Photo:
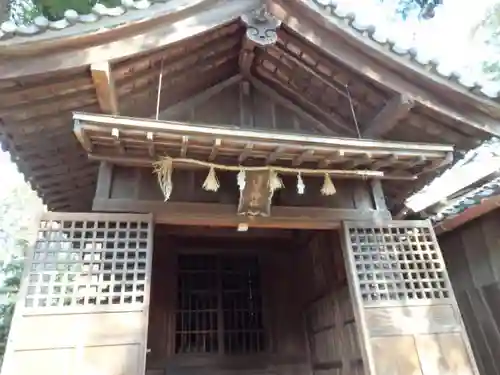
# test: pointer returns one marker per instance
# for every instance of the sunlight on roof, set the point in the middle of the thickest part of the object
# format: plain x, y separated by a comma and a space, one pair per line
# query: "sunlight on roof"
446, 38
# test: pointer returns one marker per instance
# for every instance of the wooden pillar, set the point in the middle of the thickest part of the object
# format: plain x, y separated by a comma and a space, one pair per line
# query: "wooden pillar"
407, 315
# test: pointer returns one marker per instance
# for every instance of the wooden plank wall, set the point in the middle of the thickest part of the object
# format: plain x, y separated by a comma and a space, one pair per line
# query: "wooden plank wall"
308, 313
141, 184
328, 311
472, 255
242, 105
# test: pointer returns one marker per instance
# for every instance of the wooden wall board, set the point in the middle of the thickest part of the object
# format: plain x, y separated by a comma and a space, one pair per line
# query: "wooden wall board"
472, 255
403, 299
84, 299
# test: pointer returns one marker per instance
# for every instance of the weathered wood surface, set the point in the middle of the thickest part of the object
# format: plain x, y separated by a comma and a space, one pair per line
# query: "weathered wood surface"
126, 189
84, 298
129, 140
472, 254
403, 300
296, 74
328, 314
282, 305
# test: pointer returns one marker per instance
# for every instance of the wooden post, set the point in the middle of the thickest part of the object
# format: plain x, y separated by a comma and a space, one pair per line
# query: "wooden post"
407, 315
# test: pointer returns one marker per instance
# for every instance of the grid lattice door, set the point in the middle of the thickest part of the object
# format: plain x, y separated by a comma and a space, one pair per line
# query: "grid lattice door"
83, 307
407, 315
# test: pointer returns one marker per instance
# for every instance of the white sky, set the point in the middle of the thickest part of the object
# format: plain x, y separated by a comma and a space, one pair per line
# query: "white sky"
447, 37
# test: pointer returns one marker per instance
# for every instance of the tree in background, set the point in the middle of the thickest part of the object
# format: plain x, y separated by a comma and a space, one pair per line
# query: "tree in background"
12, 271
488, 32
19, 206
24, 11
424, 8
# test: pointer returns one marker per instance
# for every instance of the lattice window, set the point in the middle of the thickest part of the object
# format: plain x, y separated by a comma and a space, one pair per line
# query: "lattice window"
85, 262
398, 263
219, 306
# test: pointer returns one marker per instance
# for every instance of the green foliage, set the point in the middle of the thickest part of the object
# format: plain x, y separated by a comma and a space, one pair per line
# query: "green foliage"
54, 9
424, 8
13, 272
488, 32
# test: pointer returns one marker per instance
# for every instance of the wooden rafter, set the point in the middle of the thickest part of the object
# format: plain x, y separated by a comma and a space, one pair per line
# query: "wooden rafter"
396, 109
194, 21
278, 72
200, 98
236, 146
280, 99
247, 56
377, 72
105, 87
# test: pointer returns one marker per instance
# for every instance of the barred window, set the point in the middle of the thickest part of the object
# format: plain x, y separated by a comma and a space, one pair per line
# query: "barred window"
219, 305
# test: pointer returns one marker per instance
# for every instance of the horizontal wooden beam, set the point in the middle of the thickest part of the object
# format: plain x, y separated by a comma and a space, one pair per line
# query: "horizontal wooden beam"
288, 88
199, 98
186, 18
224, 215
100, 122
280, 99
105, 87
315, 28
396, 109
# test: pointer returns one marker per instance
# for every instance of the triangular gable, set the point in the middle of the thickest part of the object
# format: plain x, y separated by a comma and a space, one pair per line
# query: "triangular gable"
245, 104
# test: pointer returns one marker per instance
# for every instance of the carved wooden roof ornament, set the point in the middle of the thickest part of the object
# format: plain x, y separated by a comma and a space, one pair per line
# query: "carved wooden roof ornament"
261, 27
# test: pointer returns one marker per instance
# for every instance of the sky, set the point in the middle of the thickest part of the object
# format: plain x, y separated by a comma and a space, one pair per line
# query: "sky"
447, 37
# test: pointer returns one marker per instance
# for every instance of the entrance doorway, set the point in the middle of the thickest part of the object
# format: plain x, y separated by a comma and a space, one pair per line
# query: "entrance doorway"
264, 301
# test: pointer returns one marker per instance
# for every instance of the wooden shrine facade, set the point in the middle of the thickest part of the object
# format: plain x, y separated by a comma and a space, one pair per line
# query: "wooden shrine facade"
222, 178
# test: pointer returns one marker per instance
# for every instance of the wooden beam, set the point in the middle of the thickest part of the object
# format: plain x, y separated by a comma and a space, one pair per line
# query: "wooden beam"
199, 98
395, 109
330, 118
104, 122
104, 181
194, 17
312, 25
262, 87
320, 76
105, 87
245, 153
247, 56
215, 149
302, 157
224, 215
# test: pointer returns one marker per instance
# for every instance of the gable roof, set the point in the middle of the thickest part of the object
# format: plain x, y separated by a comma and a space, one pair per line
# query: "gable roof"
316, 65
105, 18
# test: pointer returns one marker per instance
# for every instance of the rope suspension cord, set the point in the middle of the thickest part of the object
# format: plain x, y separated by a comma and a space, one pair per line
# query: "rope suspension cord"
306, 171
158, 96
353, 112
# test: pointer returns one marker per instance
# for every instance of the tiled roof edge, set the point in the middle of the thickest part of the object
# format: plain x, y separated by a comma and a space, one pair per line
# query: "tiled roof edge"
411, 54
468, 200
9, 29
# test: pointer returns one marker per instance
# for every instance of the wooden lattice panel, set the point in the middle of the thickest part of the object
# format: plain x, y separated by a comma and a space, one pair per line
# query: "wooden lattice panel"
85, 292
88, 262
403, 300
398, 263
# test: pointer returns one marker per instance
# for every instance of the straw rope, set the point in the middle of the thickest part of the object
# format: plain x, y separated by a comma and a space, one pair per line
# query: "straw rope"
160, 164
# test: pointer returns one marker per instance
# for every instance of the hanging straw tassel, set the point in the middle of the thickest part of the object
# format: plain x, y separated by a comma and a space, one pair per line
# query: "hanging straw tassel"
241, 179
328, 186
163, 170
211, 182
301, 187
275, 181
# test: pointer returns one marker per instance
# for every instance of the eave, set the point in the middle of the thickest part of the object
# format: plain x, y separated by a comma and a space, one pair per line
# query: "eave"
202, 45
132, 141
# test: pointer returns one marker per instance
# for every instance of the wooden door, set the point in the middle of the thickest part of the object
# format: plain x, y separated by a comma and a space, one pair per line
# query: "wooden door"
83, 306
408, 318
